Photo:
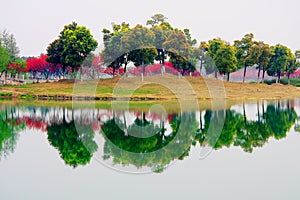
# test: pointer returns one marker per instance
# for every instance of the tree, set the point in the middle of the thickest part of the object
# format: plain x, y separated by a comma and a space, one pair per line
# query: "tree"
280, 60
206, 60
40, 66
162, 32
297, 55
220, 56
4, 59
72, 47
243, 52
16, 67
114, 54
8, 42
156, 19
190, 40
178, 49
292, 65
225, 60
139, 42
260, 54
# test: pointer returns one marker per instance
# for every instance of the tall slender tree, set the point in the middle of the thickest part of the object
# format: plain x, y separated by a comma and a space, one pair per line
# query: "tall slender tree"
8, 42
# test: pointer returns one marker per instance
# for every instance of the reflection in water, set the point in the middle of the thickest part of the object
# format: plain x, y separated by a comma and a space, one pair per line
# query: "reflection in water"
9, 128
145, 139
155, 151
70, 144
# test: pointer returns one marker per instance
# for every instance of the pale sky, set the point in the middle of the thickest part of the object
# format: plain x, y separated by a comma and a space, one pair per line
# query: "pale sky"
36, 23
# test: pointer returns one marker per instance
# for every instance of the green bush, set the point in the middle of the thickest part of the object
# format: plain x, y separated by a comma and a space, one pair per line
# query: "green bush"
284, 81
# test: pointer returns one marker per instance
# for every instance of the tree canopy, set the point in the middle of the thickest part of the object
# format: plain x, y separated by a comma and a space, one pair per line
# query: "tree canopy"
72, 46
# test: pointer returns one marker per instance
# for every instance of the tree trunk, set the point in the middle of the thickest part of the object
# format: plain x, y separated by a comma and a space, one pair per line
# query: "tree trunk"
201, 65
263, 76
244, 111
216, 74
162, 62
258, 111
289, 81
142, 71
125, 67
258, 76
201, 123
278, 74
228, 76
245, 70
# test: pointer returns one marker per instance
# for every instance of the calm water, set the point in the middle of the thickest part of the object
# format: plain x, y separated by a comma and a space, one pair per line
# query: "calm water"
249, 151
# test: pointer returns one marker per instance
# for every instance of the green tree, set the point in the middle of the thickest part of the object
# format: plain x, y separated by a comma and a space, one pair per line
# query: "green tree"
213, 47
190, 40
206, 60
162, 32
260, 54
113, 53
223, 56
156, 20
8, 42
16, 67
140, 43
293, 65
243, 52
225, 60
178, 49
297, 55
280, 61
72, 46
4, 59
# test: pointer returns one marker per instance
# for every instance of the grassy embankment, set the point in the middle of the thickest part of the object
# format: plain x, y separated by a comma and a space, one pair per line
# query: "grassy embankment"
154, 88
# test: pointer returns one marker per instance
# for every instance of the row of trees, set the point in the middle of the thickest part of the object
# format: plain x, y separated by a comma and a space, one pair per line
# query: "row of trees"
143, 45
157, 42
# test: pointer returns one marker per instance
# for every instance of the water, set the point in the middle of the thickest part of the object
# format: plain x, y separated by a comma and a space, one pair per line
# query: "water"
247, 151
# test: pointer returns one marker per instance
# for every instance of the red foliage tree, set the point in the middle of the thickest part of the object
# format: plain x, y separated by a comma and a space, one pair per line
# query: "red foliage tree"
39, 65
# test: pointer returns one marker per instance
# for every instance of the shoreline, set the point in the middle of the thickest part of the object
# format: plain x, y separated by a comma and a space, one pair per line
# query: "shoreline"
156, 88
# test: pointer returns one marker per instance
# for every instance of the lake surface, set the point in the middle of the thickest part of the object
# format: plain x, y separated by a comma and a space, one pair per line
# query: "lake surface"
248, 151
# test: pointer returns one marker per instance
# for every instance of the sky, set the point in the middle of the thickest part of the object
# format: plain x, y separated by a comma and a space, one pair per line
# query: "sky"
36, 23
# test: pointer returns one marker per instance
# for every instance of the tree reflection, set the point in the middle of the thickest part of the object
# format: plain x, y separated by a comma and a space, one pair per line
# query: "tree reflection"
127, 148
148, 141
9, 128
247, 134
75, 148
280, 120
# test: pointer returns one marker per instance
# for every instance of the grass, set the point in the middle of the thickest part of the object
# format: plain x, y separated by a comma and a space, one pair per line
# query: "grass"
156, 87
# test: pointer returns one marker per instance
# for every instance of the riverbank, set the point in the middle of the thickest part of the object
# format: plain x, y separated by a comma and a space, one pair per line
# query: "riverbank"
152, 88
